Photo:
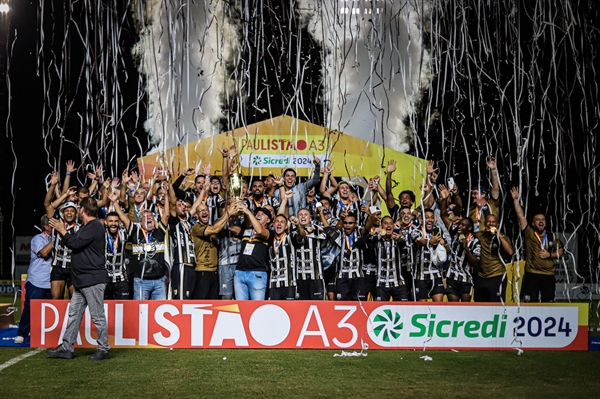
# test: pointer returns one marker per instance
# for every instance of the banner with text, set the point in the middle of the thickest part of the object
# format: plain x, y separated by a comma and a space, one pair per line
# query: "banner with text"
320, 325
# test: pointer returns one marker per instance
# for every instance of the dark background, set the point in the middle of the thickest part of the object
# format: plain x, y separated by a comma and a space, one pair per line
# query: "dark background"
553, 150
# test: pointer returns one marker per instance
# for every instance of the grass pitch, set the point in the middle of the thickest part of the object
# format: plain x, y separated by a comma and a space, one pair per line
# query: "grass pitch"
196, 373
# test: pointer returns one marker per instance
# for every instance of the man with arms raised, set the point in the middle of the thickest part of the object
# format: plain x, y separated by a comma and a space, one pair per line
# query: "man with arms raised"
89, 279
298, 199
148, 255
491, 282
250, 278
207, 257
541, 248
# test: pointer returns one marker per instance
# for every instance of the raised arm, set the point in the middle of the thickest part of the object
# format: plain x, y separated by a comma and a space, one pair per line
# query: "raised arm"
285, 195
258, 229
444, 202
325, 191
50, 193
495, 191
57, 202
70, 169
113, 197
514, 192
389, 195
125, 179
316, 175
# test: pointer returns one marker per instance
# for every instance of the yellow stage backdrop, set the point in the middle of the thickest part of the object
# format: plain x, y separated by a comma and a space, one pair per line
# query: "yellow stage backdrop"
284, 142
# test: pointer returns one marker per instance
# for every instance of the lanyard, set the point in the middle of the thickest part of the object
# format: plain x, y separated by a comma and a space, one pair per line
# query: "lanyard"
542, 242
349, 241
184, 223
147, 235
138, 210
280, 241
113, 245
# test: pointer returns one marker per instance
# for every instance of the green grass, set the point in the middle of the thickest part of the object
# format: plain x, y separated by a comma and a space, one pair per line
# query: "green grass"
193, 373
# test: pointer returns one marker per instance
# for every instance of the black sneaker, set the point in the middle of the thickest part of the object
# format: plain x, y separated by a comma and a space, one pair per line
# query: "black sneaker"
61, 352
99, 355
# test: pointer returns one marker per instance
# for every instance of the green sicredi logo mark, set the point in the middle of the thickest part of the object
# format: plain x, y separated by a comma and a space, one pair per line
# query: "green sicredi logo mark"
387, 325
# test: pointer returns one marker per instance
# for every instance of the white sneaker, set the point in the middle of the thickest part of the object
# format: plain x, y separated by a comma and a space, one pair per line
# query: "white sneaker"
19, 340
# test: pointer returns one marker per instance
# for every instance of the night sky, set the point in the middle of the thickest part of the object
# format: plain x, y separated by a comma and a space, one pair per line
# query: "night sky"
552, 146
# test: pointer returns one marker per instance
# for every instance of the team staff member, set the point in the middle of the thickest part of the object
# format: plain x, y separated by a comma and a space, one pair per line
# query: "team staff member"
147, 252
541, 247
485, 202
89, 279
250, 278
207, 256
37, 285
491, 284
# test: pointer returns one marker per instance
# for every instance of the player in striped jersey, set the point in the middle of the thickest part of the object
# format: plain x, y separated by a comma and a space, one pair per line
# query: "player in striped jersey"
183, 277
429, 253
308, 239
116, 236
406, 229
61, 254
388, 243
464, 250
282, 263
349, 283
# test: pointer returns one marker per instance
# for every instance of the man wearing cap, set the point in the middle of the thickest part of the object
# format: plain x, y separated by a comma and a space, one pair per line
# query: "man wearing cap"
298, 200
37, 285
485, 202
61, 254
89, 279
250, 278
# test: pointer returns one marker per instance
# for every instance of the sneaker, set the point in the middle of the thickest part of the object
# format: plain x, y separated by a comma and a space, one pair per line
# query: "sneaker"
61, 352
100, 355
19, 340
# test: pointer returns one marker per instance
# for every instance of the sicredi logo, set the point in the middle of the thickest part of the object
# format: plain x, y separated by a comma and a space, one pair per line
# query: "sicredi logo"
385, 326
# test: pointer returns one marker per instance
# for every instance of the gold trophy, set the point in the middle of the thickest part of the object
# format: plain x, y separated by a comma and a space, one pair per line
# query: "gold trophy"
235, 185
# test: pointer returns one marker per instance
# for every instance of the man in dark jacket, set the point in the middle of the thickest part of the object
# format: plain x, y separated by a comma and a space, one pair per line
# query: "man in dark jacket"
89, 277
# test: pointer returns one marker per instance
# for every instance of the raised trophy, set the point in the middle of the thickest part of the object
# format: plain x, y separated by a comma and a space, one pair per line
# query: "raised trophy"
236, 185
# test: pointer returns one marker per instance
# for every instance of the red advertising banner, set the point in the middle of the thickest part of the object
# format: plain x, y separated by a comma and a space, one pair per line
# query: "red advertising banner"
321, 325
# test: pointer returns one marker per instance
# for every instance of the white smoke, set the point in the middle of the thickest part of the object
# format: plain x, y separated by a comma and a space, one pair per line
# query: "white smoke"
183, 48
374, 65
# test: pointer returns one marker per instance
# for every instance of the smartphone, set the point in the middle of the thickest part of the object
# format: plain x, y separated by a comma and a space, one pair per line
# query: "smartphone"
365, 202
397, 230
451, 183
436, 230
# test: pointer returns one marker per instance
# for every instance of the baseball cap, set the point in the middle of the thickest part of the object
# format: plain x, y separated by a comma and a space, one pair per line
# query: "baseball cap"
265, 211
69, 204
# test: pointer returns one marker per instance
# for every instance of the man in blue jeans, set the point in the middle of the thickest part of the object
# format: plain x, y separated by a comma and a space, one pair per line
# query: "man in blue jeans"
147, 247
38, 276
250, 279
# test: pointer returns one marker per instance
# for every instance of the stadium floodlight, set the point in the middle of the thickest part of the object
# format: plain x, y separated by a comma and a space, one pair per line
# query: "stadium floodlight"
4, 8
